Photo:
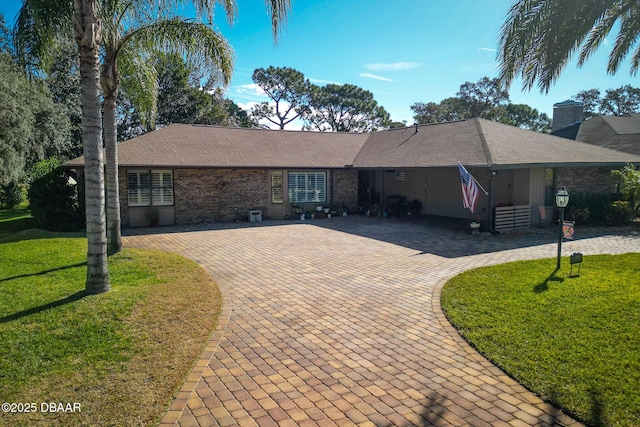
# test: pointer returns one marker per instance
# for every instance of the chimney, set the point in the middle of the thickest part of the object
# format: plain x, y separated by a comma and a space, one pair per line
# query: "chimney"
566, 113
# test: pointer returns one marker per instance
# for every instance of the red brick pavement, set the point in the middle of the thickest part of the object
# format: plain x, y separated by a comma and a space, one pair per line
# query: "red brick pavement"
326, 328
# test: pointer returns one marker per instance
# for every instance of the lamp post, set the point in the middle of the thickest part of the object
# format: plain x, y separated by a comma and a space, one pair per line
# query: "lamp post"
562, 200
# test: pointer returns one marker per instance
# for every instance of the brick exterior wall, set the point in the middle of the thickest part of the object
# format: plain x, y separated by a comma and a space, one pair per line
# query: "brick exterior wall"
345, 188
596, 180
213, 194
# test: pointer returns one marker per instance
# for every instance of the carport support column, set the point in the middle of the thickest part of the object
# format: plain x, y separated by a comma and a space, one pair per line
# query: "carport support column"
382, 177
490, 224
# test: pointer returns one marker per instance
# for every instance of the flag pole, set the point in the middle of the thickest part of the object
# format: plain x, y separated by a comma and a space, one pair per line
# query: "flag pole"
486, 193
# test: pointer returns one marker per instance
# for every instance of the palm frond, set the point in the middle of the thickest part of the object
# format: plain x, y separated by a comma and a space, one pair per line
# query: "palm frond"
279, 11
196, 42
139, 81
38, 25
539, 37
627, 37
203, 8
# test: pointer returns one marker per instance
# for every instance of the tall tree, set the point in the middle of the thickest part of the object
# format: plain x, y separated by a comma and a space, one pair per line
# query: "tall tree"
615, 102
32, 126
63, 81
523, 116
448, 110
40, 21
621, 101
39, 24
345, 108
132, 34
590, 102
483, 96
88, 34
179, 101
539, 37
5, 36
288, 89
485, 99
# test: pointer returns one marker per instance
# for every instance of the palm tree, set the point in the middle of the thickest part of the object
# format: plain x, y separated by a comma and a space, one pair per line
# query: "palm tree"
40, 22
131, 35
132, 32
539, 37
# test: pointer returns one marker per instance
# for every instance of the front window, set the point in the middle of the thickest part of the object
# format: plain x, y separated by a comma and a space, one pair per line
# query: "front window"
307, 187
277, 187
162, 188
150, 187
138, 185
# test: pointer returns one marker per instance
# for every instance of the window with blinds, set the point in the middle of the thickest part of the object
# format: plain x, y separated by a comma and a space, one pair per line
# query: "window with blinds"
146, 188
277, 187
138, 184
307, 187
162, 188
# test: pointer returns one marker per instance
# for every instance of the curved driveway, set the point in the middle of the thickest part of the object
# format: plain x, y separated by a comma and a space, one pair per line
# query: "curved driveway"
338, 322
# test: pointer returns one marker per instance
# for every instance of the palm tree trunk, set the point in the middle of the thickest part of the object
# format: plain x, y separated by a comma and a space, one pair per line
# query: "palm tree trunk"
113, 191
88, 32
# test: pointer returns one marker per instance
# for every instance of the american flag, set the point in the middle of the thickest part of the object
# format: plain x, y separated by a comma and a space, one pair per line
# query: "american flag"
469, 189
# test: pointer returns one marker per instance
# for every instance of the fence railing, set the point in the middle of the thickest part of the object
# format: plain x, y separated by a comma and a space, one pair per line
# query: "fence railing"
512, 217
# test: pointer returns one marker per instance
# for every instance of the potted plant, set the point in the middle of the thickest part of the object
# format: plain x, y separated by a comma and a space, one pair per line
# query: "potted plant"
474, 225
287, 211
415, 207
154, 216
297, 210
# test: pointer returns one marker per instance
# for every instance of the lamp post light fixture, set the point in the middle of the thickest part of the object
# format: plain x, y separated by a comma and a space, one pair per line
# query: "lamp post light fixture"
562, 200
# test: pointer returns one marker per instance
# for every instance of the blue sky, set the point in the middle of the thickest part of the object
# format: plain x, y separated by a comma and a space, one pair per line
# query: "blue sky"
404, 51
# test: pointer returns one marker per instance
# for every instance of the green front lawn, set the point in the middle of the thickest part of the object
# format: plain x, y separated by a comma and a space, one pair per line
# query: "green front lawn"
573, 341
14, 220
121, 355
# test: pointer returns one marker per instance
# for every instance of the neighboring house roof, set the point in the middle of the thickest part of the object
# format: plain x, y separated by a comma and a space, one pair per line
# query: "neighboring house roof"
474, 142
620, 133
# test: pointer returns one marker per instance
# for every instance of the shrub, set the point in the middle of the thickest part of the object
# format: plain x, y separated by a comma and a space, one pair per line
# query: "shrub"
621, 213
630, 185
586, 208
10, 195
53, 201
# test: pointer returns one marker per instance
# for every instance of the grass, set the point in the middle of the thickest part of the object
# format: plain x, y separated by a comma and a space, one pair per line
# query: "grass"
121, 355
13, 220
572, 340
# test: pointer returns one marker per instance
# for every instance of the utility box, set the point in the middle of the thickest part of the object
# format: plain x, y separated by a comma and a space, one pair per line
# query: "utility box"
255, 215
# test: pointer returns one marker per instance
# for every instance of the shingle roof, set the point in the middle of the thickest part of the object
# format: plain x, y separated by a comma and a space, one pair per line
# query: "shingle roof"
478, 142
620, 133
474, 142
512, 146
183, 145
442, 144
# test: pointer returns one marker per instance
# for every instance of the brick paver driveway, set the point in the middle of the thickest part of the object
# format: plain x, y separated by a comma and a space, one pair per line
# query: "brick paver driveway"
338, 322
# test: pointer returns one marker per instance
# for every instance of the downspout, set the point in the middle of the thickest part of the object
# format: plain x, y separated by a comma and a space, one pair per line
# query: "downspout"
489, 159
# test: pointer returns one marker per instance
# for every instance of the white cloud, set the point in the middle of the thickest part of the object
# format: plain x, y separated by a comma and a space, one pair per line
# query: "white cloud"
373, 76
486, 49
322, 82
395, 66
248, 91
